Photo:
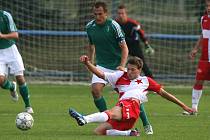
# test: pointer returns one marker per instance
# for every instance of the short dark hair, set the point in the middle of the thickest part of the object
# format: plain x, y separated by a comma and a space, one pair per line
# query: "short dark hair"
121, 6
101, 4
135, 61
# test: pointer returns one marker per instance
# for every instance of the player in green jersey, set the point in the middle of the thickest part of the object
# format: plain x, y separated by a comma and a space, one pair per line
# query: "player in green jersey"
108, 46
11, 59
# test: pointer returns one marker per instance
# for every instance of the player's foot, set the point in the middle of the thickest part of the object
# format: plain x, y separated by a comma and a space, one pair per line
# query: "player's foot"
29, 110
13, 93
77, 116
190, 114
148, 129
135, 132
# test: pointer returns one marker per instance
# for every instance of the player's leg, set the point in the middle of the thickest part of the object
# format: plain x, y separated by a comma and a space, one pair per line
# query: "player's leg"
114, 113
17, 68
146, 124
96, 90
197, 93
106, 129
6, 84
24, 92
202, 74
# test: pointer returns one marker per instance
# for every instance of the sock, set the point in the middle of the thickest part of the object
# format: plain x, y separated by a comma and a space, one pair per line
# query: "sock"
24, 92
96, 117
100, 104
114, 132
143, 116
8, 85
196, 95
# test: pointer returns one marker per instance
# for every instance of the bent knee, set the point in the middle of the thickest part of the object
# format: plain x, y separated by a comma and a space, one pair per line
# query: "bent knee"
99, 132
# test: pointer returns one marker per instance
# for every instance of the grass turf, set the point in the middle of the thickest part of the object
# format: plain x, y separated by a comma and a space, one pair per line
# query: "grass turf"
52, 122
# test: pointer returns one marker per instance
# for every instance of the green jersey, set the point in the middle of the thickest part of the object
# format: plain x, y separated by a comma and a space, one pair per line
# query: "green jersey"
106, 39
7, 25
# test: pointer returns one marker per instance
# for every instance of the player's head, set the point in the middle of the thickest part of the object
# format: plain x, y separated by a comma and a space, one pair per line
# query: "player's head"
100, 12
134, 66
122, 13
208, 6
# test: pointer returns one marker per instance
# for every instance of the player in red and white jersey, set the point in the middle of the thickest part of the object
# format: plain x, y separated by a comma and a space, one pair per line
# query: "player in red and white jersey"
203, 68
132, 89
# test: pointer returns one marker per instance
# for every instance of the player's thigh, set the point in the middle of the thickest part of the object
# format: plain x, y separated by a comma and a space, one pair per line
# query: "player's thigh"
115, 113
101, 129
3, 69
203, 71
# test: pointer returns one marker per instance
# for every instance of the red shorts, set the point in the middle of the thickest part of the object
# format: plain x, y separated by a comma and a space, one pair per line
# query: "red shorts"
130, 113
203, 70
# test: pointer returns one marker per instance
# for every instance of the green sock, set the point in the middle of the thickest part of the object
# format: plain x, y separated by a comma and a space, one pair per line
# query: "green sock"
8, 85
143, 116
24, 92
100, 104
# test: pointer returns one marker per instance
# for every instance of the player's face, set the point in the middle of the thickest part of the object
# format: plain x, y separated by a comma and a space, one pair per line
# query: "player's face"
100, 15
122, 15
132, 71
208, 7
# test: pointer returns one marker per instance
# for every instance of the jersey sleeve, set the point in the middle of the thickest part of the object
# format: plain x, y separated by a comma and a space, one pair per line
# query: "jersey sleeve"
138, 28
87, 28
119, 34
112, 77
10, 22
153, 85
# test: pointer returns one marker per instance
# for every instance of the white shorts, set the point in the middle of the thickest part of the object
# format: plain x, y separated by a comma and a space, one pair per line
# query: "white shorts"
96, 79
11, 58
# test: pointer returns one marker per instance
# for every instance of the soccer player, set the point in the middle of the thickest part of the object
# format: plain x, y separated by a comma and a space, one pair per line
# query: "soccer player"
133, 33
11, 58
132, 89
106, 44
203, 69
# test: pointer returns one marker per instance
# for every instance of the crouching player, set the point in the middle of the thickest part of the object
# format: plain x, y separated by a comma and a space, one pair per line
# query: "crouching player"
132, 89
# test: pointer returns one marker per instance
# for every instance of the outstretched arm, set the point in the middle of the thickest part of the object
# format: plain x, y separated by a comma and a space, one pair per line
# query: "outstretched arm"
173, 99
85, 60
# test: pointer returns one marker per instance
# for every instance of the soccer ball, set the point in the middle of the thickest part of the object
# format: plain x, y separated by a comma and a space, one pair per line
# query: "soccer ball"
24, 121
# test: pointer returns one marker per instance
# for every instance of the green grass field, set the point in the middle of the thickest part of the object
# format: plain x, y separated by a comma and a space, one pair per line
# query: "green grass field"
52, 122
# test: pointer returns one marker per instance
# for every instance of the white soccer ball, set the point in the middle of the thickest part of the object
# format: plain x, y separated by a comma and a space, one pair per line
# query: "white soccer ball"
24, 121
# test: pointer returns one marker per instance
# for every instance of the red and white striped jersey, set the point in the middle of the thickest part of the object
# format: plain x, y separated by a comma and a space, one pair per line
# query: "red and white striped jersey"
136, 88
205, 26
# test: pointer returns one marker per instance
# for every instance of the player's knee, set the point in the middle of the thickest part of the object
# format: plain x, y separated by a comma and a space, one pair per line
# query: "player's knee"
198, 85
96, 94
2, 79
99, 132
20, 79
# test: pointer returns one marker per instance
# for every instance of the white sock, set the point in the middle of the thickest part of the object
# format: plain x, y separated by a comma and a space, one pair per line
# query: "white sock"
196, 95
114, 132
96, 117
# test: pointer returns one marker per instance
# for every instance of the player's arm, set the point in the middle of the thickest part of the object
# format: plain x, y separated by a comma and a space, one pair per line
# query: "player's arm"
12, 35
91, 53
85, 60
196, 48
11, 27
173, 99
140, 31
124, 55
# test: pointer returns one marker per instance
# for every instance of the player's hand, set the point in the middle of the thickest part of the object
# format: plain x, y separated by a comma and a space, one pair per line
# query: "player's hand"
84, 59
149, 50
193, 53
121, 68
188, 109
